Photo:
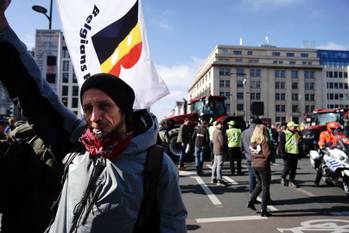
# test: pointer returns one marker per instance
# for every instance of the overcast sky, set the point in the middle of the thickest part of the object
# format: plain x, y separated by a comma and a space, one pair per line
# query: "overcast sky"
182, 33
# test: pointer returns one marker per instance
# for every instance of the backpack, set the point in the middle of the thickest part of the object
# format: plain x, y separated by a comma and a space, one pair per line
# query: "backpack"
149, 216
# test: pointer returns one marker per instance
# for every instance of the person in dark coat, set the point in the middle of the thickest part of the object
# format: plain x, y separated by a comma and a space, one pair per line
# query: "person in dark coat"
201, 140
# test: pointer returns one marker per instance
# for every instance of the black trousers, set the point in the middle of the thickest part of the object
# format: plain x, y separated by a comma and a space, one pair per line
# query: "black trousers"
235, 155
290, 166
263, 176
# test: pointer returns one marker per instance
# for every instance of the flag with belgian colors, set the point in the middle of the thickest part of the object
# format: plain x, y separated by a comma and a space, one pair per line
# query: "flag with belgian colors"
109, 36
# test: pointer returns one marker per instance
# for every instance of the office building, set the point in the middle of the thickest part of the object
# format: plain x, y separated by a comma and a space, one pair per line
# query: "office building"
287, 81
52, 56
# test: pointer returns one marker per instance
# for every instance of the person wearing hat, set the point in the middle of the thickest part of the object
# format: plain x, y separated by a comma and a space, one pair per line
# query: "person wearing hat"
234, 150
289, 151
104, 154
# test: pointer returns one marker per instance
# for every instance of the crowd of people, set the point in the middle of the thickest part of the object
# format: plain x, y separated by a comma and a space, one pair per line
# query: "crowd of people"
260, 144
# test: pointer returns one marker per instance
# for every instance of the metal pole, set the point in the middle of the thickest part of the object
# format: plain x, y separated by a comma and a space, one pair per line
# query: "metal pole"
50, 17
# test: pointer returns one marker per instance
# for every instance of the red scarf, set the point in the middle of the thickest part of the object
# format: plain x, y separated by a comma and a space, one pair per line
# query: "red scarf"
107, 148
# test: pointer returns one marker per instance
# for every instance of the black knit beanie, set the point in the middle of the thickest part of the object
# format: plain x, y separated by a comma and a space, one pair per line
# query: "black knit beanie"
118, 90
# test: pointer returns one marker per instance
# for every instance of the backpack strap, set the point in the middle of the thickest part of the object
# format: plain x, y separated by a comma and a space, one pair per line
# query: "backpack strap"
149, 216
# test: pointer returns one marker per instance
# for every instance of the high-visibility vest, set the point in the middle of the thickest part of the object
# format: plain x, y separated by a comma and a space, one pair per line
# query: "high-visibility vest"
291, 145
234, 137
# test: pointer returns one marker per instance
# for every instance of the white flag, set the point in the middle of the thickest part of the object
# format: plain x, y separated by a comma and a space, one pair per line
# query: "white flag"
109, 36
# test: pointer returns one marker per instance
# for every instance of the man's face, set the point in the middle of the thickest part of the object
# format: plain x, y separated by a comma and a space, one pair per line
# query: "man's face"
102, 114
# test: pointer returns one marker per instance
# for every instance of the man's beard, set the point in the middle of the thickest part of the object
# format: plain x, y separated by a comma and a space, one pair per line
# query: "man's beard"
117, 132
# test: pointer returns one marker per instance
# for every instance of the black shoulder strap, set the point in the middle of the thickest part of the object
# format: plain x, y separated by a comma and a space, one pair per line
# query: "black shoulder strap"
148, 216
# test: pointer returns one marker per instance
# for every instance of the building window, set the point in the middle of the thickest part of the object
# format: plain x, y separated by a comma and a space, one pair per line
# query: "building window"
227, 83
345, 74
255, 96
240, 95
255, 84
240, 107
240, 72
221, 83
237, 52
65, 90
279, 108
294, 108
280, 73
255, 72
309, 86
249, 52
224, 71
279, 85
239, 84
51, 78
304, 55
75, 102
75, 91
294, 86
65, 52
65, 77
74, 78
294, 73
294, 97
65, 66
309, 74
290, 54
292, 62
276, 54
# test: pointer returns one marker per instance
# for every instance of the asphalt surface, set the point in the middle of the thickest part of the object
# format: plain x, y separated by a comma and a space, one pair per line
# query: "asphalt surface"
213, 208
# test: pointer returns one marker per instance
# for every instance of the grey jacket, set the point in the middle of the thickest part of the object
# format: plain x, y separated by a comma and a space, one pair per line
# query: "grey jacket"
118, 204
246, 141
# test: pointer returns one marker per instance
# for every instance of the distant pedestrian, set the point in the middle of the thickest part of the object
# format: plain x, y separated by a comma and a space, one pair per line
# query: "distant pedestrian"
245, 144
219, 149
260, 154
183, 138
234, 150
201, 141
289, 151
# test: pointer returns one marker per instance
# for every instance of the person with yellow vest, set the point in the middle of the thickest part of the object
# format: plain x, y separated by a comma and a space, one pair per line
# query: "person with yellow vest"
234, 147
289, 151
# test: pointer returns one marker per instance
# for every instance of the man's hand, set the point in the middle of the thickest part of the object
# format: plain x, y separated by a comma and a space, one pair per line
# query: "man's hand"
3, 6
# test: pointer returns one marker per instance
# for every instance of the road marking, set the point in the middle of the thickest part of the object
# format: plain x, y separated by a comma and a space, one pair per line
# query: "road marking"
230, 180
305, 192
187, 173
230, 219
208, 191
270, 207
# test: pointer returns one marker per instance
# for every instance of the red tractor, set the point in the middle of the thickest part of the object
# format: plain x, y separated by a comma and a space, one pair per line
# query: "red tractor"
315, 123
201, 108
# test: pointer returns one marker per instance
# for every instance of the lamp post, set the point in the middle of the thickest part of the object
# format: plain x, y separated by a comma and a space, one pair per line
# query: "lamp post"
244, 83
43, 10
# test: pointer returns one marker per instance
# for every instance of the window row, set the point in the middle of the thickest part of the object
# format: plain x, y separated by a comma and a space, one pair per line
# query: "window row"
337, 106
337, 85
336, 74
337, 96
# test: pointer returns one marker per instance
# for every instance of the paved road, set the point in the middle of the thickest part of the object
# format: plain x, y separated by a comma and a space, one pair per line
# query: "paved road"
223, 209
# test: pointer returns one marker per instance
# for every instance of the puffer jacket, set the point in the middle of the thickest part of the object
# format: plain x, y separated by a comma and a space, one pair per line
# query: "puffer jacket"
117, 205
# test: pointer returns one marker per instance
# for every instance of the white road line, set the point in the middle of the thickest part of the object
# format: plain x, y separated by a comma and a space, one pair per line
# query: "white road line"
270, 207
187, 173
230, 180
230, 219
208, 191
305, 192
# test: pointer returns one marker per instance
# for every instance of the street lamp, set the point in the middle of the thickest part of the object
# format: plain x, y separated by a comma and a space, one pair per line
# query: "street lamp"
244, 83
43, 10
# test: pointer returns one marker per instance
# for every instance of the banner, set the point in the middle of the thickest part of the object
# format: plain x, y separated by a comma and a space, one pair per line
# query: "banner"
109, 36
